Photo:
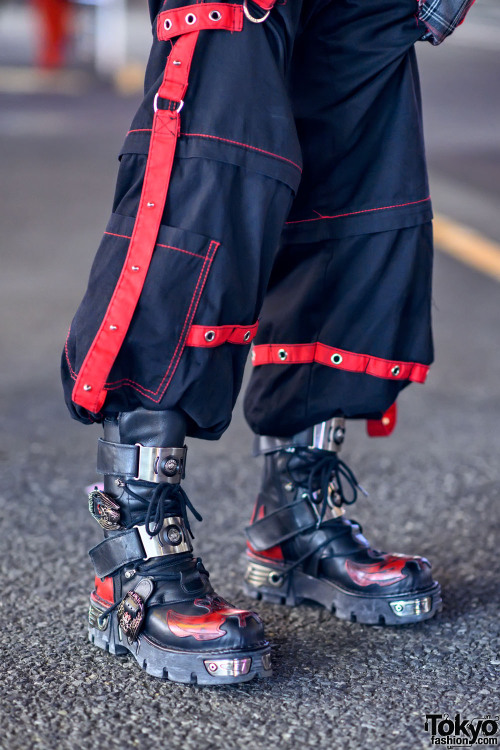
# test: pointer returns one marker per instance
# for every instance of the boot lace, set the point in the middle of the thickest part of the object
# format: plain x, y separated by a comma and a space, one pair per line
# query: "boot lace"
326, 478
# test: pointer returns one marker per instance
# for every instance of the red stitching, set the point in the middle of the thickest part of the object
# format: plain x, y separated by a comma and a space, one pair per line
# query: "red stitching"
188, 321
188, 252
71, 371
137, 386
364, 211
159, 244
245, 145
228, 140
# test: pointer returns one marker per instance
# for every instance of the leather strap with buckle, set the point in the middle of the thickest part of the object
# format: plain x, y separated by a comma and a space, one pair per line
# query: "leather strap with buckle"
136, 545
145, 463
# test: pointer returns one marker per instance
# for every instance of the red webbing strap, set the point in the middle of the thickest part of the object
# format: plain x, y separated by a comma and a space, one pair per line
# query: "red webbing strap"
385, 426
291, 354
210, 336
89, 390
171, 23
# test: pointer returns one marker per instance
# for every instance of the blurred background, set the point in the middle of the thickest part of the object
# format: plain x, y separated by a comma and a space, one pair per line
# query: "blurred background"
70, 80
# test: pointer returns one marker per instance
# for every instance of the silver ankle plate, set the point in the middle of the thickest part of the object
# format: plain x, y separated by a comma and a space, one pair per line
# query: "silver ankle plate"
161, 465
172, 539
329, 435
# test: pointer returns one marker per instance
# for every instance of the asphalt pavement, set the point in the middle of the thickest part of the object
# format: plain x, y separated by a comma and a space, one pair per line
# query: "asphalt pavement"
434, 486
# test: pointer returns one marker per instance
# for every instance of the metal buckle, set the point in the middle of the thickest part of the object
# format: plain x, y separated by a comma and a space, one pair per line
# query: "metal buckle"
329, 435
161, 464
155, 104
172, 539
105, 511
132, 609
252, 18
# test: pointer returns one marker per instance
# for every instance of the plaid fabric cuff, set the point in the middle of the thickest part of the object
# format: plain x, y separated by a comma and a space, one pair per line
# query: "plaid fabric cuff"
441, 17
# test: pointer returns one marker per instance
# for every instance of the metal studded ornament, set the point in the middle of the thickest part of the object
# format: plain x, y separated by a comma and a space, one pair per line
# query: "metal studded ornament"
105, 510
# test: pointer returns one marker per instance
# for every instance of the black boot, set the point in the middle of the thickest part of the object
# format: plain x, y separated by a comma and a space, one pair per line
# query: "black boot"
300, 546
152, 598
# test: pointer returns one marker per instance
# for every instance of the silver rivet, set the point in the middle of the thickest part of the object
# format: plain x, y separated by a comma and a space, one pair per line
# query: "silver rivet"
167, 24
247, 336
214, 15
396, 370
87, 387
135, 268
336, 358
210, 335
129, 573
213, 667
113, 328
176, 62
190, 19
282, 354
151, 205
289, 487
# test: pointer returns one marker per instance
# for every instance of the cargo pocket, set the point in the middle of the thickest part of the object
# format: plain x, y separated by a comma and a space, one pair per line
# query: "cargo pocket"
156, 337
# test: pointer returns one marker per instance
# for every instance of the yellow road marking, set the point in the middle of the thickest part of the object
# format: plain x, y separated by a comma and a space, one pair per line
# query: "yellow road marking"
467, 245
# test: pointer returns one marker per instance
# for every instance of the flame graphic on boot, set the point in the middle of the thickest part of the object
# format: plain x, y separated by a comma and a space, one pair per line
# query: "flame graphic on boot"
206, 627
383, 573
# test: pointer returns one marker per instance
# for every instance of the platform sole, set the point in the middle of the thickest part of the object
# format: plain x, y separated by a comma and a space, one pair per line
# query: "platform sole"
270, 583
206, 668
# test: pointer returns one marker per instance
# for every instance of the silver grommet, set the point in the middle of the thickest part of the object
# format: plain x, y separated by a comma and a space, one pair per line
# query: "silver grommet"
212, 667
247, 336
282, 354
190, 19
396, 370
167, 24
87, 387
209, 336
275, 579
214, 15
336, 358
113, 328
135, 268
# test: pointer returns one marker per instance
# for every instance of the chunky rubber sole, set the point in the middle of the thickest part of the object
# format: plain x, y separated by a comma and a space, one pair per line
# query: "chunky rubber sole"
270, 583
206, 668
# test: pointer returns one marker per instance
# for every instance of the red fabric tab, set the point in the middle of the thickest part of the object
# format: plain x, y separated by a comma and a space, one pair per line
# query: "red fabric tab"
210, 336
385, 426
199, 17
292, 354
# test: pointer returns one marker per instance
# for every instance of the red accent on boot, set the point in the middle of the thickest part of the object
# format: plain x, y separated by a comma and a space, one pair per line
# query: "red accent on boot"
385, 426
104, 591
273, 553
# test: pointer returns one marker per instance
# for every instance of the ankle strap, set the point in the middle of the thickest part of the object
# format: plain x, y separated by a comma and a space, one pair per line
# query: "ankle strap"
326, 436
149, 464
136, 545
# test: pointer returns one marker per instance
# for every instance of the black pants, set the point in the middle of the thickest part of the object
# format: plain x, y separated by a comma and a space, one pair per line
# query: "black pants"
299, 199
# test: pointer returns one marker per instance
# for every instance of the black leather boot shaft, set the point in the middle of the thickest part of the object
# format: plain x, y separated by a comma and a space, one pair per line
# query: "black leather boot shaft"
149, 428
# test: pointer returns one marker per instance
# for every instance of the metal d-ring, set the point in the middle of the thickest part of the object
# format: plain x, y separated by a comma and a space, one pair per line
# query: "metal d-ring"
252, 18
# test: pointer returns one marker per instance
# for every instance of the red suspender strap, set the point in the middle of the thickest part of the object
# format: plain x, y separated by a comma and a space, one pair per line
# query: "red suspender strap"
294, 354
89, 390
